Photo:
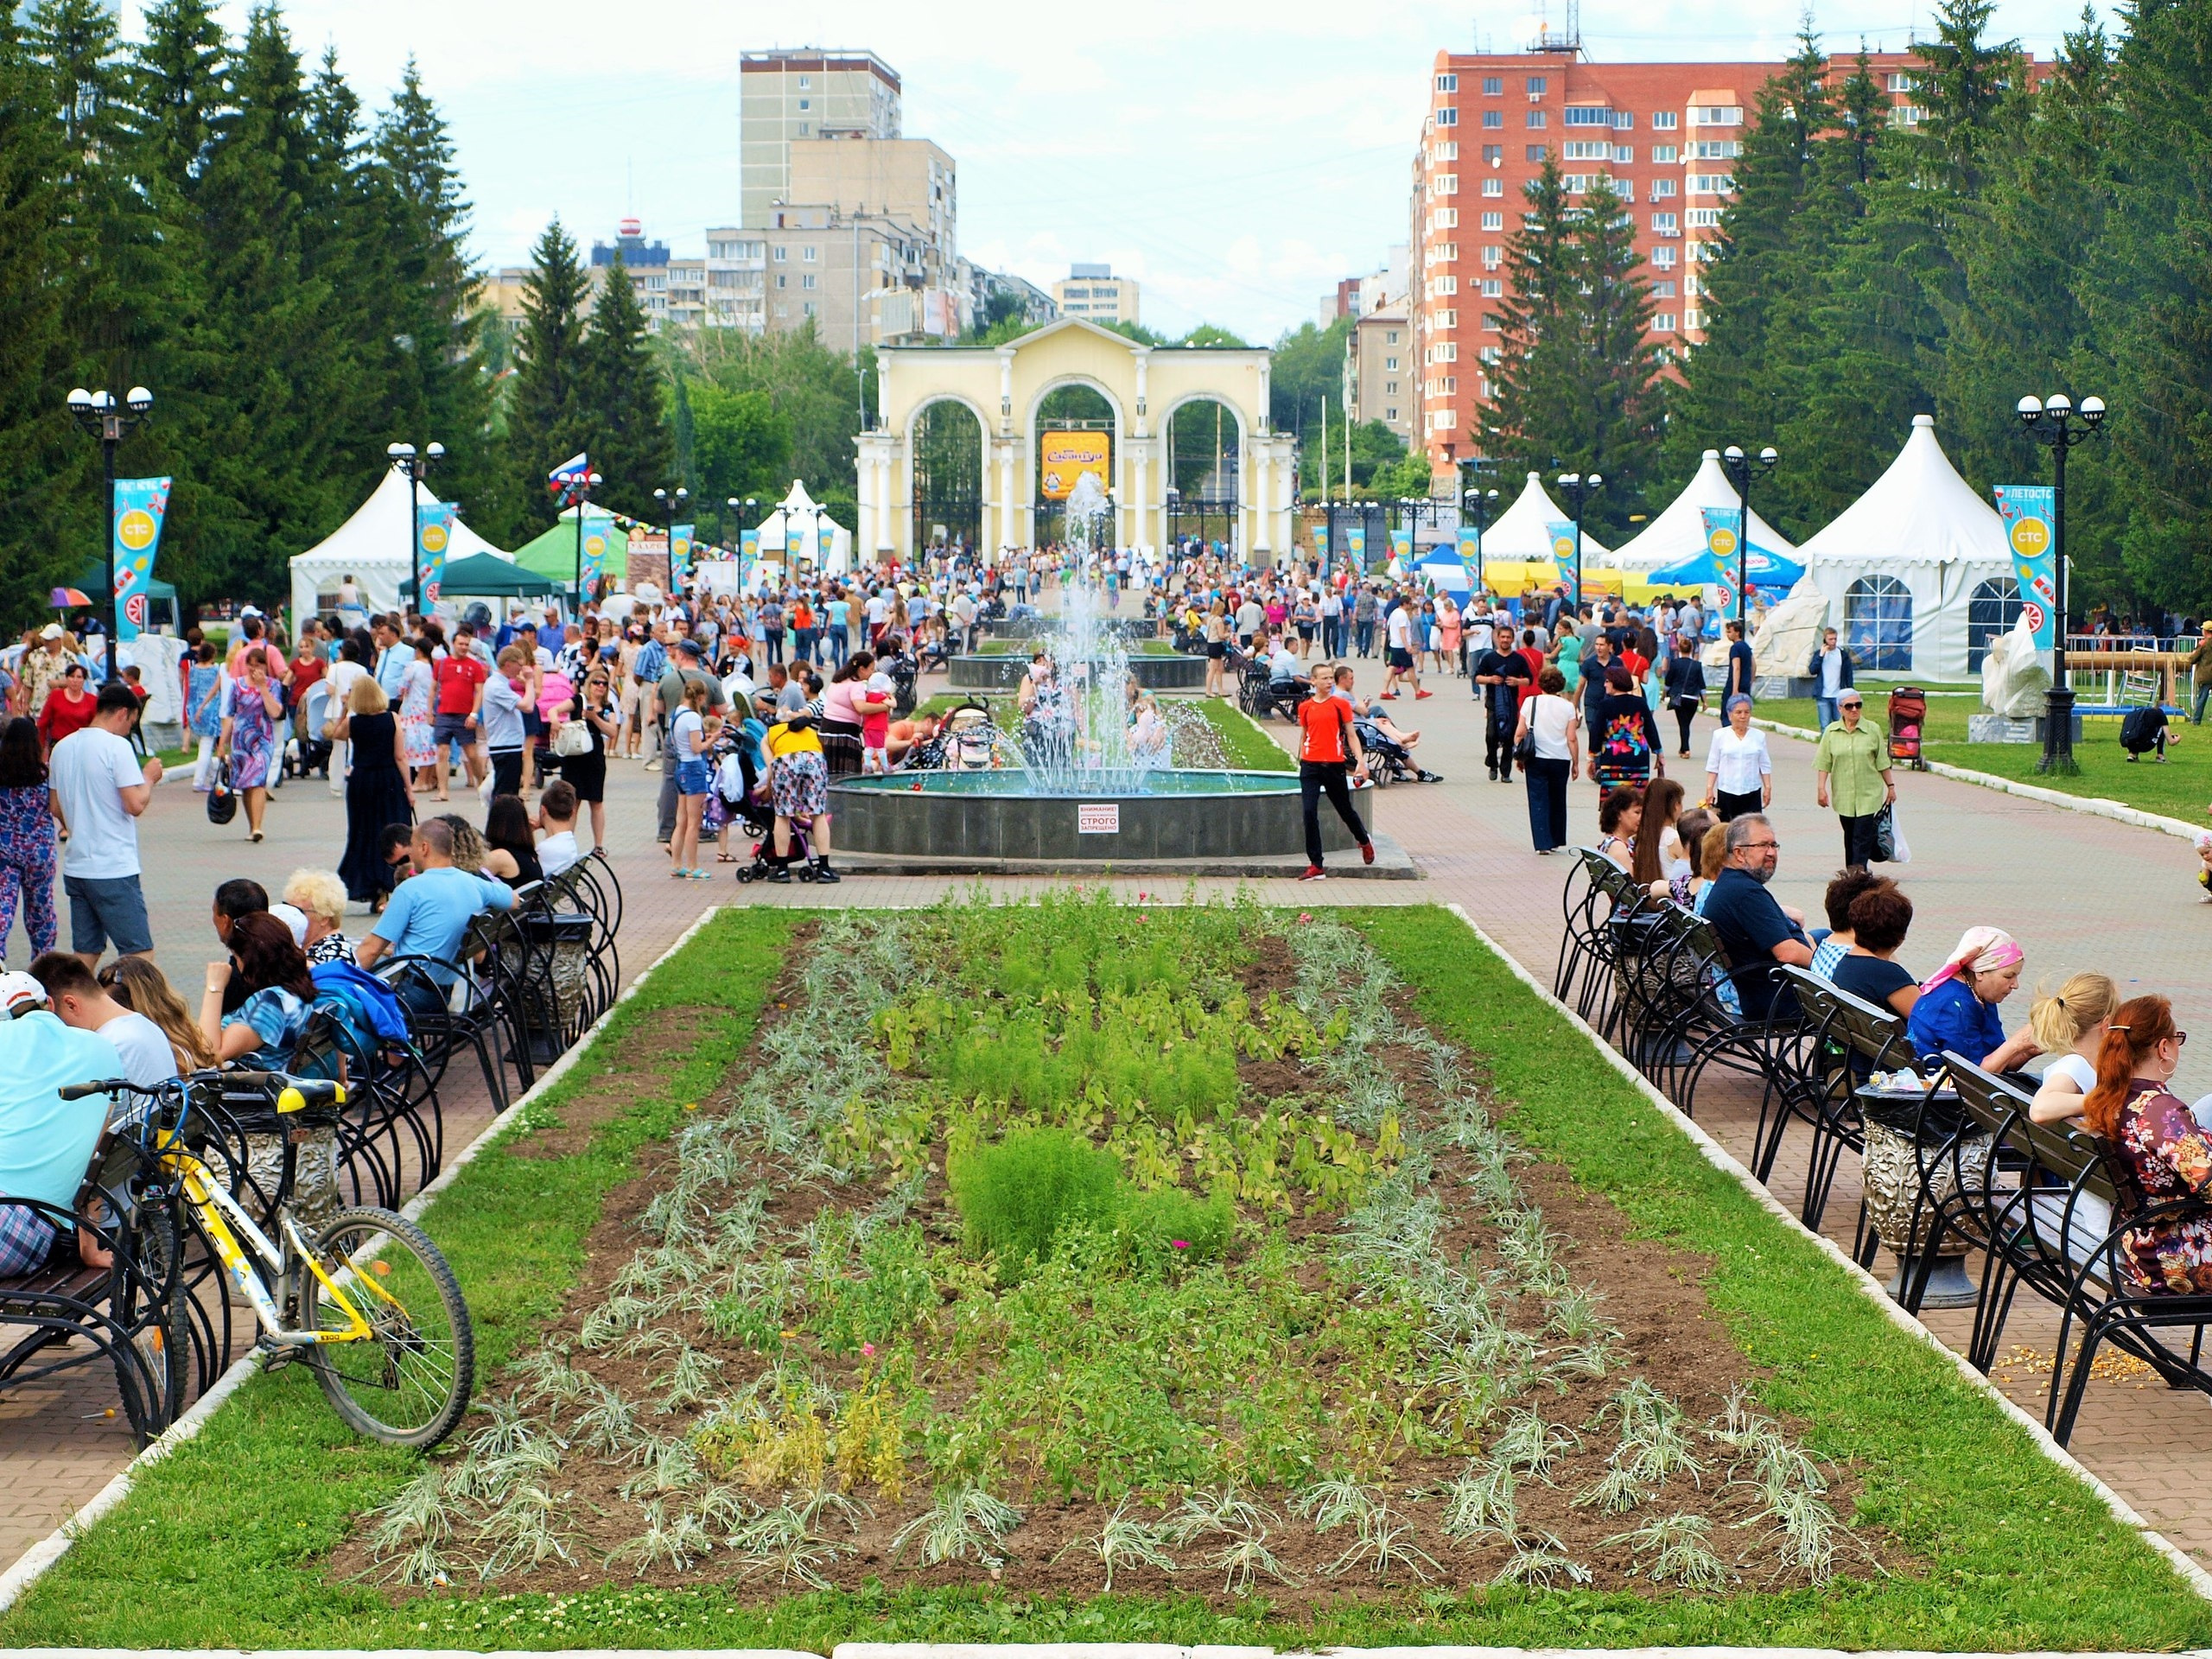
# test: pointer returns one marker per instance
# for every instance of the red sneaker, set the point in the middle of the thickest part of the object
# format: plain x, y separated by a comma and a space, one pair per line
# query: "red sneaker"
1314, 873
1390, 696
1418, 695
1367, 852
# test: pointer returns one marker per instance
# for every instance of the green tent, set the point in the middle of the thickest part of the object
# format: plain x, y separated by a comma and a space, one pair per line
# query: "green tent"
95, 580
482, 577
554, 553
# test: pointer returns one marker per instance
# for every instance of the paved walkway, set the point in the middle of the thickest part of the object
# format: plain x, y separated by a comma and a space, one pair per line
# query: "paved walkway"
2080, 892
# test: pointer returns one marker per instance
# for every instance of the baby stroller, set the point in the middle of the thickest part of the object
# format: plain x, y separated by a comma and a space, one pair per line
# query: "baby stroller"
1390, 761
764, 843
900, 672
310, 751
1908, 715
968, 742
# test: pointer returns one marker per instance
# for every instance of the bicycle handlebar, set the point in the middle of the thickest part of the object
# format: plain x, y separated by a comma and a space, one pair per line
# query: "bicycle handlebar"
311, 1092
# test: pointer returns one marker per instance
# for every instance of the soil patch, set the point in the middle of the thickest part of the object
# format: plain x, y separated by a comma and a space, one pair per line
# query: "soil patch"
613, 1089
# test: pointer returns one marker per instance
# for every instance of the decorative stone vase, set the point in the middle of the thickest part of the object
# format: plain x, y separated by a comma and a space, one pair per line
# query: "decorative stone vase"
1892, 1181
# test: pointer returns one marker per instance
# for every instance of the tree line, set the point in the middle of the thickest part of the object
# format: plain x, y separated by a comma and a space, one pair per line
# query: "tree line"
2029, 233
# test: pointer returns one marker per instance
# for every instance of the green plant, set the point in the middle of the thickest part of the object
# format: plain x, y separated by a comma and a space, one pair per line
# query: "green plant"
1123, 1543
962, 1522
1019, 1195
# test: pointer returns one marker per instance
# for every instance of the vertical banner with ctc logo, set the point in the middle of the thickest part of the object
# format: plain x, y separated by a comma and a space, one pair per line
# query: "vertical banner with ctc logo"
140, 504
435, 534
679, 552
2029, 511
1562, 537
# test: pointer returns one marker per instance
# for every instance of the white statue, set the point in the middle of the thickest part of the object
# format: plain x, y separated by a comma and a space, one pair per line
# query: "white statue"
1785, 641
2015, 676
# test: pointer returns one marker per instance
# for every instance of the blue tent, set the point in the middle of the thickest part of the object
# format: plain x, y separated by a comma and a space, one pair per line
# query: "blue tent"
1448, 572
1767, 569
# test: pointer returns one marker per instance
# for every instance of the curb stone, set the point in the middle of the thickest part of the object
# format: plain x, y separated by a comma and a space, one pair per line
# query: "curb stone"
1869, 1287
33, 1563
2097, 806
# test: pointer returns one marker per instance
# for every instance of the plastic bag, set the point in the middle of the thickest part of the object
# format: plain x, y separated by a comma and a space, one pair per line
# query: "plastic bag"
1889, 845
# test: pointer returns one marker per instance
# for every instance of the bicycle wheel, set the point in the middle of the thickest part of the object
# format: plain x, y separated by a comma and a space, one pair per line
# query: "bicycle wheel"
407, 1382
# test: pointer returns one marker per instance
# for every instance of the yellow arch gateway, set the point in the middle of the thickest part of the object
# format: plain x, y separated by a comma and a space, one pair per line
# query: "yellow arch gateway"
1004, 386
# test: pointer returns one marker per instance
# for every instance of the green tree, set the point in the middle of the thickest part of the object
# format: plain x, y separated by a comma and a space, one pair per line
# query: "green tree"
818, 389
1308, 365
624, 411
741, 444
546, 421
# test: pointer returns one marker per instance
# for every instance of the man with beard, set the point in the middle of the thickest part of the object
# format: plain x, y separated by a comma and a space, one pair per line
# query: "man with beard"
1754, 929
1499, 674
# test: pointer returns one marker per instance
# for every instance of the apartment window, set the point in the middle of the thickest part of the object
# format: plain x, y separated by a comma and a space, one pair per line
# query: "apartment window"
805, 81
1390, 414
1447, 83
1447, 184
1662, 322
1717, 115
1585, 150
1589, 115
1538, 118
1490, 354
1493, 154
1493, 257
808, 308
1715, 149
1537, 86
1446, 420
1664, 121
1704, 219
1445, 318
1447, 116
1665, 189
808, 254
1663, 291
1693, 288
806, 103
1693, 319
1493, 187
1910, 115
1493, 117
1389, 365
1710, 184
1575, 183
1446, 219
1493, 86
1447, 151
1624, 120
1493, 222
1445, 352
1898, 83
782, 281
1625, 155
1448, 384
782, 253
1493, 289
1493, 322
1664, 224
807, 280
1390, 388
1661, 155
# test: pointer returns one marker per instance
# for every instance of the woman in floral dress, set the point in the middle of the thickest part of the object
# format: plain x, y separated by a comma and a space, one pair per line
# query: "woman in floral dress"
252, 715
2151, 1133
27, 838
417, 701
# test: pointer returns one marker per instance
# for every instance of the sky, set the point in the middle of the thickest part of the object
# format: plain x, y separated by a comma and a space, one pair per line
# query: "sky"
1236, 156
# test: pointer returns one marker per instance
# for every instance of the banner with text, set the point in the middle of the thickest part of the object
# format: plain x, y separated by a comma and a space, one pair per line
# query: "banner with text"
1401, 552
748, 549
597, 530
2029, 511
679, 552
1355, 545
1471, 548
1562, 537
1062, 457
433, 537
140, 504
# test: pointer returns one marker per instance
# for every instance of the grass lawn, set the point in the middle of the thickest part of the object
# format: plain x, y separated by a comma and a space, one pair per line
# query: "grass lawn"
1223, 1279
1245, 745
2180, 789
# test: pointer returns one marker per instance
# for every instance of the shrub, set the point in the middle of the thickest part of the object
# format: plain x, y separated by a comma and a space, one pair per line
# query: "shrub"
1019, 1194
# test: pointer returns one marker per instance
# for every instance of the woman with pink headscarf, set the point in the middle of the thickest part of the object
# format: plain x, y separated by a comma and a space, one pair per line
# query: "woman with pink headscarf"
1957, 1010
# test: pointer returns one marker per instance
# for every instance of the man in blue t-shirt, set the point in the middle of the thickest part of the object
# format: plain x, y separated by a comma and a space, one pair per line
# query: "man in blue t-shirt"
1744, 916
46, 1142
428, 914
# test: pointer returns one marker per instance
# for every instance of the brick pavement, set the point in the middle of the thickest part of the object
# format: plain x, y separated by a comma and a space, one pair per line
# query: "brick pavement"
2069, 885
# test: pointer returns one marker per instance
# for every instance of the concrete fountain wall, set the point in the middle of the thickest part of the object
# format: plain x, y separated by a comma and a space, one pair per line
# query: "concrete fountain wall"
1003, 672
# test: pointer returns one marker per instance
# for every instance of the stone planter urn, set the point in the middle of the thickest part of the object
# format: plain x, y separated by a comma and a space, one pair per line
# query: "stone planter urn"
1893, 1164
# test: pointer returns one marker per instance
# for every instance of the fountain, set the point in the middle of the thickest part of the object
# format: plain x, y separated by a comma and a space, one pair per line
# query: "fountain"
1078, 799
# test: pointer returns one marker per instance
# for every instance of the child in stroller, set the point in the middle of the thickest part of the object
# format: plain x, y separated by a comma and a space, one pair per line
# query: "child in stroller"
738, 794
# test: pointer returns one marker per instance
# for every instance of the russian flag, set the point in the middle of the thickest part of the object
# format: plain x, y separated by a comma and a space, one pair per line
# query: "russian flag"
568, 473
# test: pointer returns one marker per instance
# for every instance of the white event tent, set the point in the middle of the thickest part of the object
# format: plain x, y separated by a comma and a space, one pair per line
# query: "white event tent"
375, 547
1679, 532
797, 512
1522, 533
1906, 567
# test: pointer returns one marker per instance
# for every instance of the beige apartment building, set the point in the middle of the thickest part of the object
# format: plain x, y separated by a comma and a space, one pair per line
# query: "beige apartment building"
1382, 376
1096, 294
788, 96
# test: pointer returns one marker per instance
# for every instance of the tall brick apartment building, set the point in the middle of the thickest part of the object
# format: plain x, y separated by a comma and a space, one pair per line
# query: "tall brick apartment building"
1666, 134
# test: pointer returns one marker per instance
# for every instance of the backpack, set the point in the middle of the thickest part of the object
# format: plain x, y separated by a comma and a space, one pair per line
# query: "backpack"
2139, 731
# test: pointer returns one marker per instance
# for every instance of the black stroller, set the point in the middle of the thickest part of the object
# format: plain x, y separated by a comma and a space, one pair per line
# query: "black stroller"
309, 751
1390, 761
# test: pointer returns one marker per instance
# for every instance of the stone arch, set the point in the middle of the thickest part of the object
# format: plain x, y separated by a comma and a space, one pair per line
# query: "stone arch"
957, 503
1202, 513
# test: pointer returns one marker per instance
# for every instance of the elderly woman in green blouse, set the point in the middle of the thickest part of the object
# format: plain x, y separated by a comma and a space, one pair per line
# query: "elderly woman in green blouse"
1852, 765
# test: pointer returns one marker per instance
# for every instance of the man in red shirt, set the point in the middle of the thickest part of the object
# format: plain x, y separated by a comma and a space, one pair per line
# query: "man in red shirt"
1327, 745
461, 675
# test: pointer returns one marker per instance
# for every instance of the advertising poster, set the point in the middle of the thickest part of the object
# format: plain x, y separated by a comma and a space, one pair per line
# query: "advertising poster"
594, 544
679, 550
1401, 552
1562, 537
2029, 511
1062, 457
748, 549
435, 535
1356, 544
140, 503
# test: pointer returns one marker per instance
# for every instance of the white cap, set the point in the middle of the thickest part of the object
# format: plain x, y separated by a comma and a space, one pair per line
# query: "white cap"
294, 917
51, 631
19, 995
245, 611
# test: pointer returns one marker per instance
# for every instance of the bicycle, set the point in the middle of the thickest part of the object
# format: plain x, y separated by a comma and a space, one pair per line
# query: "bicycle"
368, 1302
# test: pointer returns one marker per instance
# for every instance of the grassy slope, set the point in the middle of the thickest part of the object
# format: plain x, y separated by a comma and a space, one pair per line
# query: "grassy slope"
221, 1544
2179, 789
1245, 745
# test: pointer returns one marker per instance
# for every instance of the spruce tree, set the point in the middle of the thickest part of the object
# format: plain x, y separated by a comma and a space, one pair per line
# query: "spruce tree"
625, 419
177, 86
1623, 401
545, 409
1533, 381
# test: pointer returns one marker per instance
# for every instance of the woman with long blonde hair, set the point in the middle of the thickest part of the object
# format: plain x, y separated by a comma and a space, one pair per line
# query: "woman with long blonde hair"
2070, 1024
139, 986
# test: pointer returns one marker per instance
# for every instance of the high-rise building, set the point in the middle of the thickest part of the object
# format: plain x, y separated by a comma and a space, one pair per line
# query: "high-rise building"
1095, 294
785, 97
1381, 379
1667, 134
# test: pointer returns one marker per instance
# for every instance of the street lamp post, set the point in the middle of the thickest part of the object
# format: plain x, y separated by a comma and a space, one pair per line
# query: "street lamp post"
107, 419
1579, 487
578, 495
414, 468
1741, 470
1174, 513
671, 503
2054, 422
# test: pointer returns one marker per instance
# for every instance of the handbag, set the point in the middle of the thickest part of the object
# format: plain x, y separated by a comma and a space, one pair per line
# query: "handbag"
222, 799
1890, 845
572, 741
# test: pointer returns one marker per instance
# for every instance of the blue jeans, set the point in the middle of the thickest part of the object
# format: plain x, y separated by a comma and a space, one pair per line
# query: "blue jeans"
841, 646
2196, 716
1828, 711
1546, 782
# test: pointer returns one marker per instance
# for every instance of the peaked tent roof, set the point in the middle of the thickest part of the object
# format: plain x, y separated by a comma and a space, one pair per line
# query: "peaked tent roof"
1919, 512
1523, 530
1679, 531
378, 531
553, 553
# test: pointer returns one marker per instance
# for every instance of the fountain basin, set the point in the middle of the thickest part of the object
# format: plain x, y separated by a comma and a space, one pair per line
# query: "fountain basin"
1004, 671
1037, 626
1196, 823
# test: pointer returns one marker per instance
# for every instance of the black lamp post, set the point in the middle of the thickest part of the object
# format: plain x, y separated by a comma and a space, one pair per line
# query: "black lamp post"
578, 495
1741, 470
1579, 487
414, 468
671, 503
1174, 513
2054, 422
107, 418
